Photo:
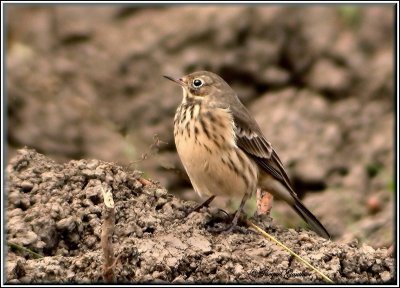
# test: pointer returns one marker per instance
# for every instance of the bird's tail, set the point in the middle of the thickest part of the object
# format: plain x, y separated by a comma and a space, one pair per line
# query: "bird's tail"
311, 220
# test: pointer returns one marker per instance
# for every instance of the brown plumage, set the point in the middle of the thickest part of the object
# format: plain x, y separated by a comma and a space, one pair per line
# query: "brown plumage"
223, 149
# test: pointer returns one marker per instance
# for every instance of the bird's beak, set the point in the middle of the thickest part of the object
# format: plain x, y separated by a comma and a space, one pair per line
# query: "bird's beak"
179, 81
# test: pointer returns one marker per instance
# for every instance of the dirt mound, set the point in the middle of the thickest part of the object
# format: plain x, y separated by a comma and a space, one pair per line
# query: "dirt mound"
56, 210
86, 82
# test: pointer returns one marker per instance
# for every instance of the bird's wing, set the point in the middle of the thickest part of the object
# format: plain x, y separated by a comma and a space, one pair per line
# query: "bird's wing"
250, 139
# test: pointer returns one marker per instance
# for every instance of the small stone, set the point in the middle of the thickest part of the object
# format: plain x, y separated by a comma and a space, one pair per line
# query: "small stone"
385, 276
87, 172
39, 245
367, 249
26, 186
29, 238
92, 164
14, 198
160, 193
67, 224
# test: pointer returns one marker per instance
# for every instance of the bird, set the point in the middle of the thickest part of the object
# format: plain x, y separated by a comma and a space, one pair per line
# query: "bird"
223, 149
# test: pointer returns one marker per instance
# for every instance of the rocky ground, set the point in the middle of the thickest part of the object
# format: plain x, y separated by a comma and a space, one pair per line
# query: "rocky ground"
85, 82
57, 211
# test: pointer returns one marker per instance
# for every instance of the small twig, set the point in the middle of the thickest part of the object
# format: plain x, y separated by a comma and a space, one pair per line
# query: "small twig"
298, 257
155, 145
22, 248
107, 232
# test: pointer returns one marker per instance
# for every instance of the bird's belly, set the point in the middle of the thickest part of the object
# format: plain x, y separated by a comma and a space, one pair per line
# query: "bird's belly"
206, 146
208, 175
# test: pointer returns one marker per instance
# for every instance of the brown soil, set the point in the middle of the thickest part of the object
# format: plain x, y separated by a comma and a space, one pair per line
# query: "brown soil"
56, 210
85, 82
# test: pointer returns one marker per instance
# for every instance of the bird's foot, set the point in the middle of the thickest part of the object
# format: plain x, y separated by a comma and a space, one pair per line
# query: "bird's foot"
227, 223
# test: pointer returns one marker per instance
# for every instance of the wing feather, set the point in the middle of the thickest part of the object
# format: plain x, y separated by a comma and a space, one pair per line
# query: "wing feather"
250, 139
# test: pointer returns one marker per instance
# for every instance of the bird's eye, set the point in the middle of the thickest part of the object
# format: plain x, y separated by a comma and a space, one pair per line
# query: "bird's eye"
197, 83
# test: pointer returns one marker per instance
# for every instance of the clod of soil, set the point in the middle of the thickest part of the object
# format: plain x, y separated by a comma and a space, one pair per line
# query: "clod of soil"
56, 210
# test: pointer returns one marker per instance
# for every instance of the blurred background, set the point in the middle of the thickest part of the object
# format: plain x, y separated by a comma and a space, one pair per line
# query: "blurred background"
86, 82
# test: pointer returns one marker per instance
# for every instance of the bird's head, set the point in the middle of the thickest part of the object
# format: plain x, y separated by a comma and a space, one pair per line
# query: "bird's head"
204, 86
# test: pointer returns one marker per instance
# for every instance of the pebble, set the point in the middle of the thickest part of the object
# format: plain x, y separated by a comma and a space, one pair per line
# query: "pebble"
385, 276
160, 193
367, 249
67, 224
92, 164
26, 186
14, 198
29, 238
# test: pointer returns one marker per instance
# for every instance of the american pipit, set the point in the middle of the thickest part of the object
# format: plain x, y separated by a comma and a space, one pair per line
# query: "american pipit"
223, 149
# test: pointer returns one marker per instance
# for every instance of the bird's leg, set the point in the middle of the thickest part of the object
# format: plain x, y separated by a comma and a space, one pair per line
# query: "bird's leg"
204, 204
235, 220
198, 207
238, 213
